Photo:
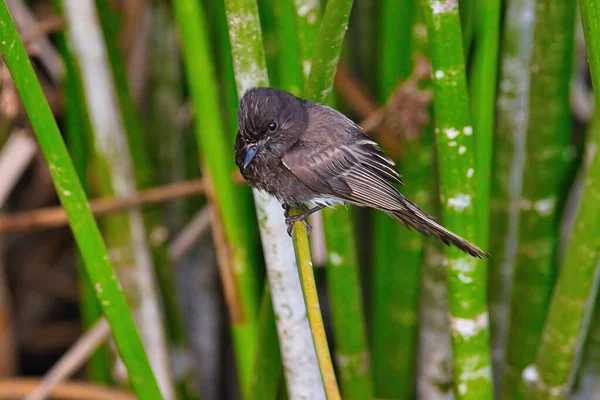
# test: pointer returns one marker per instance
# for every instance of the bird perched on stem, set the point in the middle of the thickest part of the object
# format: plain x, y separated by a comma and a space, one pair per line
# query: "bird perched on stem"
307, 154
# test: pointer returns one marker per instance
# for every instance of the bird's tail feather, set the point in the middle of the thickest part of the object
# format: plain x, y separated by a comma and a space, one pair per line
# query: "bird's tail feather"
413, 216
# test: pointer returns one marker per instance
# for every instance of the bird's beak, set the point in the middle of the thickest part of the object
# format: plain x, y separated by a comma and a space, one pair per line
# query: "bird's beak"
251, 152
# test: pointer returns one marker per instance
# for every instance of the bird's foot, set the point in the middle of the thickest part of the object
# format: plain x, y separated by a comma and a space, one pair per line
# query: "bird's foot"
290, 220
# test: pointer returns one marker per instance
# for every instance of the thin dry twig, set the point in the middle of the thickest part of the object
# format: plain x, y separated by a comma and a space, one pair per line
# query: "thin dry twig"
19, 388
190, 234
53, 217
72, 360
83, 348
29, 27
405, 111
357, 96
15, 157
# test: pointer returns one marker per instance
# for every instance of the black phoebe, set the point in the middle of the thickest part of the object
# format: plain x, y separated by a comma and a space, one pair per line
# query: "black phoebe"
305, 153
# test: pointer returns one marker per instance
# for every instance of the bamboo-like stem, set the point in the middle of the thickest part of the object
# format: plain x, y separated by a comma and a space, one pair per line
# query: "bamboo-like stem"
397, 251
482, 86
509, 156
297, 350
308, 17
114, 174
327, 51
574, 295
291, 77
72, 196
455, 144
544, 179
240, 260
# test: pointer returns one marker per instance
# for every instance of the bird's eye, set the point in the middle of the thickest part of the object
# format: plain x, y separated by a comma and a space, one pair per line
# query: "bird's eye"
272, 126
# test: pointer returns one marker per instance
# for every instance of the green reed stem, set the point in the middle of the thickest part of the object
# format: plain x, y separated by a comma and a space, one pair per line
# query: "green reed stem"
214, 149
456, 148
484, 70
574, 295
72, 196
545, 172
509, 155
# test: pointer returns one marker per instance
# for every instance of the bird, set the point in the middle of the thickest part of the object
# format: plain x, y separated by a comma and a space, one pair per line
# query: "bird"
311, 156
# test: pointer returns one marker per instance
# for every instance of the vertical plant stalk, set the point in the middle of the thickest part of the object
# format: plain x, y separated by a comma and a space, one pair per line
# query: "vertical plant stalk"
238, 262
574, 295
297, 349
482, 85
455, 144
82, 222
308, 14
543, 185
434, 364
507, 172
397, 251
126, 235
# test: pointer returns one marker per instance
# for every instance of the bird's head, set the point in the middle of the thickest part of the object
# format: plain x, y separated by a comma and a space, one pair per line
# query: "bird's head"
269, 122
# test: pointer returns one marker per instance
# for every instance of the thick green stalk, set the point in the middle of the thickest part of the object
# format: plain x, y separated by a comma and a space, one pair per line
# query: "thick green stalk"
343, 277
307, 25
217, 20
509, 155
397, 251
543, 186
467, 22
216, 154
82, 222
454, 135
298, 357
574, 295
327, 50
395, 45
482, 86
291, 77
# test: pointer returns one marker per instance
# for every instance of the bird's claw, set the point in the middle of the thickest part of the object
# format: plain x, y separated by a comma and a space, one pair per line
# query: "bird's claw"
289, 221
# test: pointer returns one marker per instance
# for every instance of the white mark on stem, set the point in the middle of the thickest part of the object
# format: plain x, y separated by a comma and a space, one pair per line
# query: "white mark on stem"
460, 201
439, 74
451, 133
452, 144
470, 172
335, 258
530, 373
444, 6
545, 207
468, 130
464, 267
469, 327
462, 150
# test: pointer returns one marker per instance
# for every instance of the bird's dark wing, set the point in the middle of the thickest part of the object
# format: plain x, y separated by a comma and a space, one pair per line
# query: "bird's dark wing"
356, 171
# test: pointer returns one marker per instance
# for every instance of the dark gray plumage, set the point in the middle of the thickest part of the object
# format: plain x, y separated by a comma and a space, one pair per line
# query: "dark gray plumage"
304, 153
